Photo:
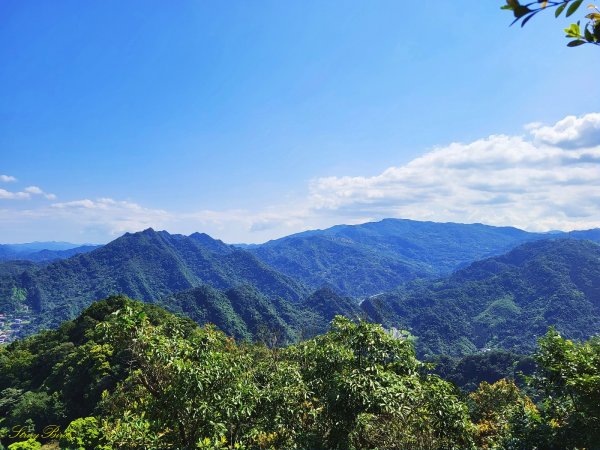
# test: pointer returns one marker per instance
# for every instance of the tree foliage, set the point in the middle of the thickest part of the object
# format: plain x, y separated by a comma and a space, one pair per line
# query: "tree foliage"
589, 33
569, 381
329, 392
504, 416
127, 375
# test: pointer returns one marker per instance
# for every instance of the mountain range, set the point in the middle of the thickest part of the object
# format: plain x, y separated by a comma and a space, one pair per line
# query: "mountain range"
42, 251
148, 266
458, 288
500, 302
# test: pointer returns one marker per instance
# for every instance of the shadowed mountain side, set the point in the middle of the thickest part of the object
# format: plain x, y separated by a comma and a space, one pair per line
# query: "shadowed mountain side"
246, 313
501, 302
148, 266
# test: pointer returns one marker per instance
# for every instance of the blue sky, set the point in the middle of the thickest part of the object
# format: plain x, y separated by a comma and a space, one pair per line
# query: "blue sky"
251, 120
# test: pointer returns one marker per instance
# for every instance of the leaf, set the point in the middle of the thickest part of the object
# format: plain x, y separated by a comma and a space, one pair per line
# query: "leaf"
574, 7
560, 9
576, 43
596, 31
573, 30
588, 35
522, 11
527, 19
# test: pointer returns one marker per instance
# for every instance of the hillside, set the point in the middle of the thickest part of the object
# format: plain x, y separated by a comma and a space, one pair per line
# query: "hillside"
501, 302
122, 363
16, 267
242, 312
246, 291
367, 259
245, 313
148, 266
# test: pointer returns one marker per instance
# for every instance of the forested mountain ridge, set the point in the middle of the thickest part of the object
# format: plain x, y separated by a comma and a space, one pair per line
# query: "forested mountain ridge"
501, 302
242, 312
367, 259
215, 282
46, 255
146, 265
245, 313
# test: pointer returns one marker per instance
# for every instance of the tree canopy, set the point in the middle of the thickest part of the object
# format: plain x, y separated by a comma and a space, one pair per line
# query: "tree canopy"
127, 375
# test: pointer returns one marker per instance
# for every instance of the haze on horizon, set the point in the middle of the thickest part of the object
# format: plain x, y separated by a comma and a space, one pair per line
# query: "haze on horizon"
250, 122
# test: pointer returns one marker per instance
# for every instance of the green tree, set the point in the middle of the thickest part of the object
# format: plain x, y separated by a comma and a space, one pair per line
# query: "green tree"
505, 417
568, 379
181, 389
370, 391
39, 407
83, 434
589, 33
30, 444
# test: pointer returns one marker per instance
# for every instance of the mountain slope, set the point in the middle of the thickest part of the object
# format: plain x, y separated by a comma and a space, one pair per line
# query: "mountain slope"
501, 302
363, 260
245, 313
148, 266
242, 312
326, 303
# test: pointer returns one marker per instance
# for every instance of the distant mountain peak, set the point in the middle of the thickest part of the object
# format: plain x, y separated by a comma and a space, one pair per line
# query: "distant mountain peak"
210, 243
199, 235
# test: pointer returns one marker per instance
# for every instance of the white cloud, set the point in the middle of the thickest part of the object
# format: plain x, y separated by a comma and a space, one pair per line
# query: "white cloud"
570, 132
24, 194
7, 195
549, 181
34, 190
37, 191
7, 179
116, 217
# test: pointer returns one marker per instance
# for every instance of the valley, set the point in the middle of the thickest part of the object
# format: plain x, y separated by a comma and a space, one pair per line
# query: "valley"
459, 289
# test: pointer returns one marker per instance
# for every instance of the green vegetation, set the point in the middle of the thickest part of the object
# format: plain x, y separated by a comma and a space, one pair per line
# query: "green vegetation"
569, 378
128, 375
148, 265
470, 370
243, 312
589, 34
213, 282
13, 268
504, 302
367, 259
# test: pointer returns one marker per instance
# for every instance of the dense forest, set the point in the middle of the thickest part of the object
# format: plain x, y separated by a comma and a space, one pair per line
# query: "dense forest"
388, 264
504, 301
130, 375
228, 350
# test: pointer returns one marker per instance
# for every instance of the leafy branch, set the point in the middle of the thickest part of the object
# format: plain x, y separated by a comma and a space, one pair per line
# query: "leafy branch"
578, 35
